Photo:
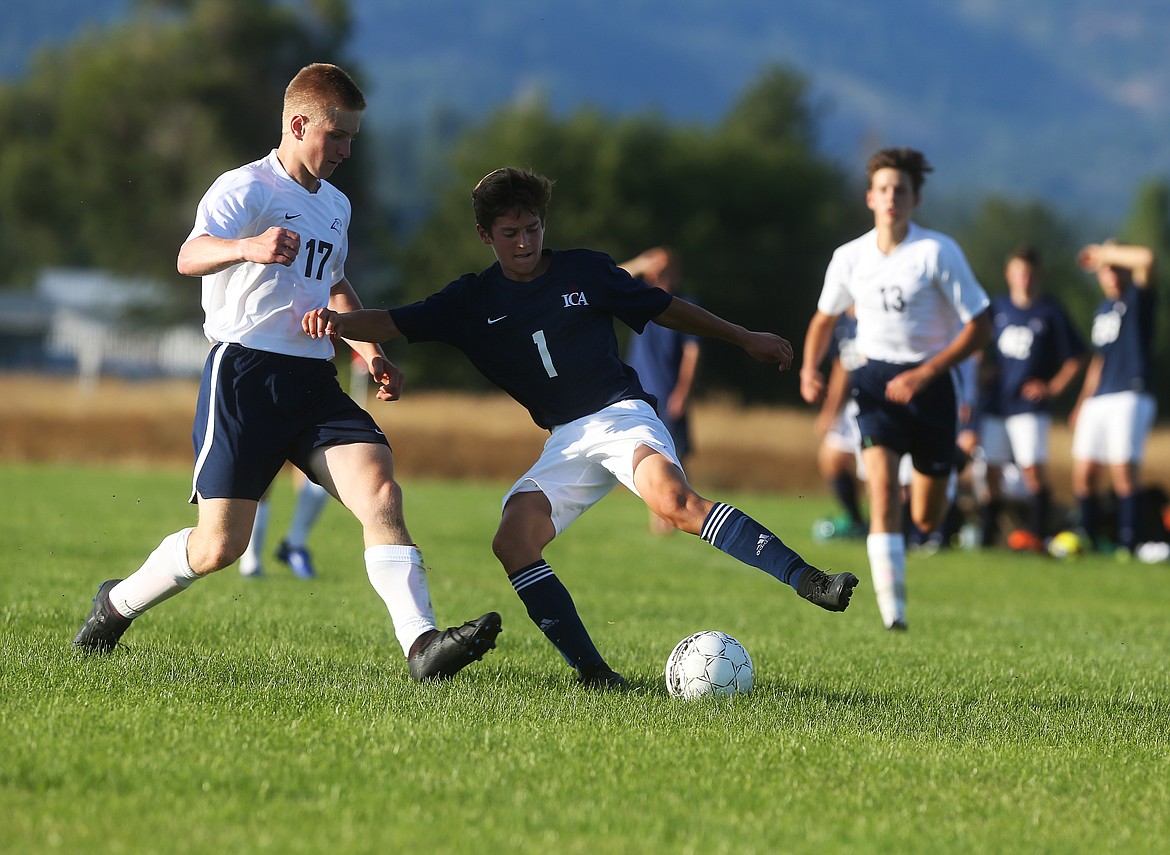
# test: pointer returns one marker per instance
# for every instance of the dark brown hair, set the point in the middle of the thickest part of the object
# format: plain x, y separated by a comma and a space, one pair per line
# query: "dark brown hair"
904, 159
510, 190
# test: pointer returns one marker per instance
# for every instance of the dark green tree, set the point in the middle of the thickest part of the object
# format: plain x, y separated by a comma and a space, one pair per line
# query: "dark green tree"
112, 140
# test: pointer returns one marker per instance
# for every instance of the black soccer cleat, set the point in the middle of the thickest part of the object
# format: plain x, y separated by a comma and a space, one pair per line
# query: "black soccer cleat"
828, 592
446, 653
103, 627
601, 676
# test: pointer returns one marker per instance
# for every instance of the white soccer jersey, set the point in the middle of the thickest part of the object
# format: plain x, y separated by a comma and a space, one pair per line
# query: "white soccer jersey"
261, 305
911, 303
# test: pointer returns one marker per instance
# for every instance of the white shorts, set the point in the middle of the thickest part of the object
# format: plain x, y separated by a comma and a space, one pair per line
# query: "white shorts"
1113, 428
1021, 439
843, 433
906, 475
585, 459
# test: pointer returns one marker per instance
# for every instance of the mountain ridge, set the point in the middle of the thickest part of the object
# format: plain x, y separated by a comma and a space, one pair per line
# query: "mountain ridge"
1066, 101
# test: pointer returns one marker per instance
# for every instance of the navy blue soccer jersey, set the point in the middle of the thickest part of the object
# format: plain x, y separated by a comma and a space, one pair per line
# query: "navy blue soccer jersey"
549, 343
1123, 333
1032, 342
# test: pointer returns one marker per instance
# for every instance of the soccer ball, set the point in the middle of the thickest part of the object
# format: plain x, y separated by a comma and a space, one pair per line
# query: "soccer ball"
709, 663
1067, 544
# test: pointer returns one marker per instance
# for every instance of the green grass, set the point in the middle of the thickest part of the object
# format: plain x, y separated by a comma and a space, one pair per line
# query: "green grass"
1027, 710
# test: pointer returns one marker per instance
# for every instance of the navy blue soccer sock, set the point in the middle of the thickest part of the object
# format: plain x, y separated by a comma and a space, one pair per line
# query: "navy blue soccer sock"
732, 531
1088, 512
551, 608
845, 488
1128, 508
1038, 505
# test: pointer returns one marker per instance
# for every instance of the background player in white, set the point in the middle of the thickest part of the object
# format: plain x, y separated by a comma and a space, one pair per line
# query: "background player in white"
920, 312
269, 242
1115, 410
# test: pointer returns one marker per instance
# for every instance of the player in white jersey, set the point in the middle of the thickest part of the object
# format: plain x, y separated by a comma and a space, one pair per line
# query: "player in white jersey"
920, 313
270, 244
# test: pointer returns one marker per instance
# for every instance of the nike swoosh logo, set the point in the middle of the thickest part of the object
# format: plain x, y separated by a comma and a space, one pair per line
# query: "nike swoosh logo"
496, 320
291, 216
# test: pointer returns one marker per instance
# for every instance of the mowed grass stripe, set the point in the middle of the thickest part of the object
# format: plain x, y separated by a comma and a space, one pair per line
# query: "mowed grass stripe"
1025, 711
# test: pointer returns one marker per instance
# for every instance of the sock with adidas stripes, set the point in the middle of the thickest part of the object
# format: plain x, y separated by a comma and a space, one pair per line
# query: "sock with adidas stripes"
551, 608
732, 531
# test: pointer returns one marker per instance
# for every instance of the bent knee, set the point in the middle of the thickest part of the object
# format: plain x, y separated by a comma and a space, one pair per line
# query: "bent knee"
208, 557
684, 510
521, 538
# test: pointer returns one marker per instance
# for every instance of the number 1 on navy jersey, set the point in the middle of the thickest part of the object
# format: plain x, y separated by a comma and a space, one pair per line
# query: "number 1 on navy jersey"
545, 356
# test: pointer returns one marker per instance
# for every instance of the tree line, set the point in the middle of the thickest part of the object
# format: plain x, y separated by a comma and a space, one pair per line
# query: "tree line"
112, 139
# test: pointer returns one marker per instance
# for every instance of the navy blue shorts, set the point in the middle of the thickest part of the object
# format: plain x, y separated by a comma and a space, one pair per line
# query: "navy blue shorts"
925, 428
257, 410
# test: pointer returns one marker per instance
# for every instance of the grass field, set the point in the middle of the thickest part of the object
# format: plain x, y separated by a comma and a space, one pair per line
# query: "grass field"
1027, 710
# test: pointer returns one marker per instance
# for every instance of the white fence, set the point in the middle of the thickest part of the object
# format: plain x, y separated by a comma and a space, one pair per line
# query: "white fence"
98, 346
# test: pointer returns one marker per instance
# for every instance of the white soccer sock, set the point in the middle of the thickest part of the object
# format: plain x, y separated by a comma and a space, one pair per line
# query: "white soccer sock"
399, 576
311, 499
251, 559
887, 565
164, 574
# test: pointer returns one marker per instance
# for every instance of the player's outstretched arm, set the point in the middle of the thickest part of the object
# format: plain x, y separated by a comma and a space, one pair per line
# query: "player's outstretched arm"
1139, 260
360, 325
344, 299
763, 347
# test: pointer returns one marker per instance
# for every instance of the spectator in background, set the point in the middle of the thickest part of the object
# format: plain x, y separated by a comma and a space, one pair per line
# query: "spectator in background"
1036, 355
1115, 410
666, 359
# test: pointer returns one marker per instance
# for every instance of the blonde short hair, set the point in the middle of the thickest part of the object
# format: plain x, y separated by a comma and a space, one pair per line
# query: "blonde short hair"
320, 91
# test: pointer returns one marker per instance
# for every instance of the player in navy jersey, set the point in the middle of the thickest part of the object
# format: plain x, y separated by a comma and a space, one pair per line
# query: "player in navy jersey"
1115, 410
666, 360
1036, 353
539, 324
270, 243
920, 313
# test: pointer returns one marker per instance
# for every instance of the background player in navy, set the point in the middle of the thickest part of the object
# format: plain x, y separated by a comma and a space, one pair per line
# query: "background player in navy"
920, 313
666, 360
1115, 410
1036, 353
270, 242
539, 324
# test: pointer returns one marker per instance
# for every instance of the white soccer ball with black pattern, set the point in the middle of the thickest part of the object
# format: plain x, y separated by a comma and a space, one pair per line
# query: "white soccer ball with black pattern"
709, 663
